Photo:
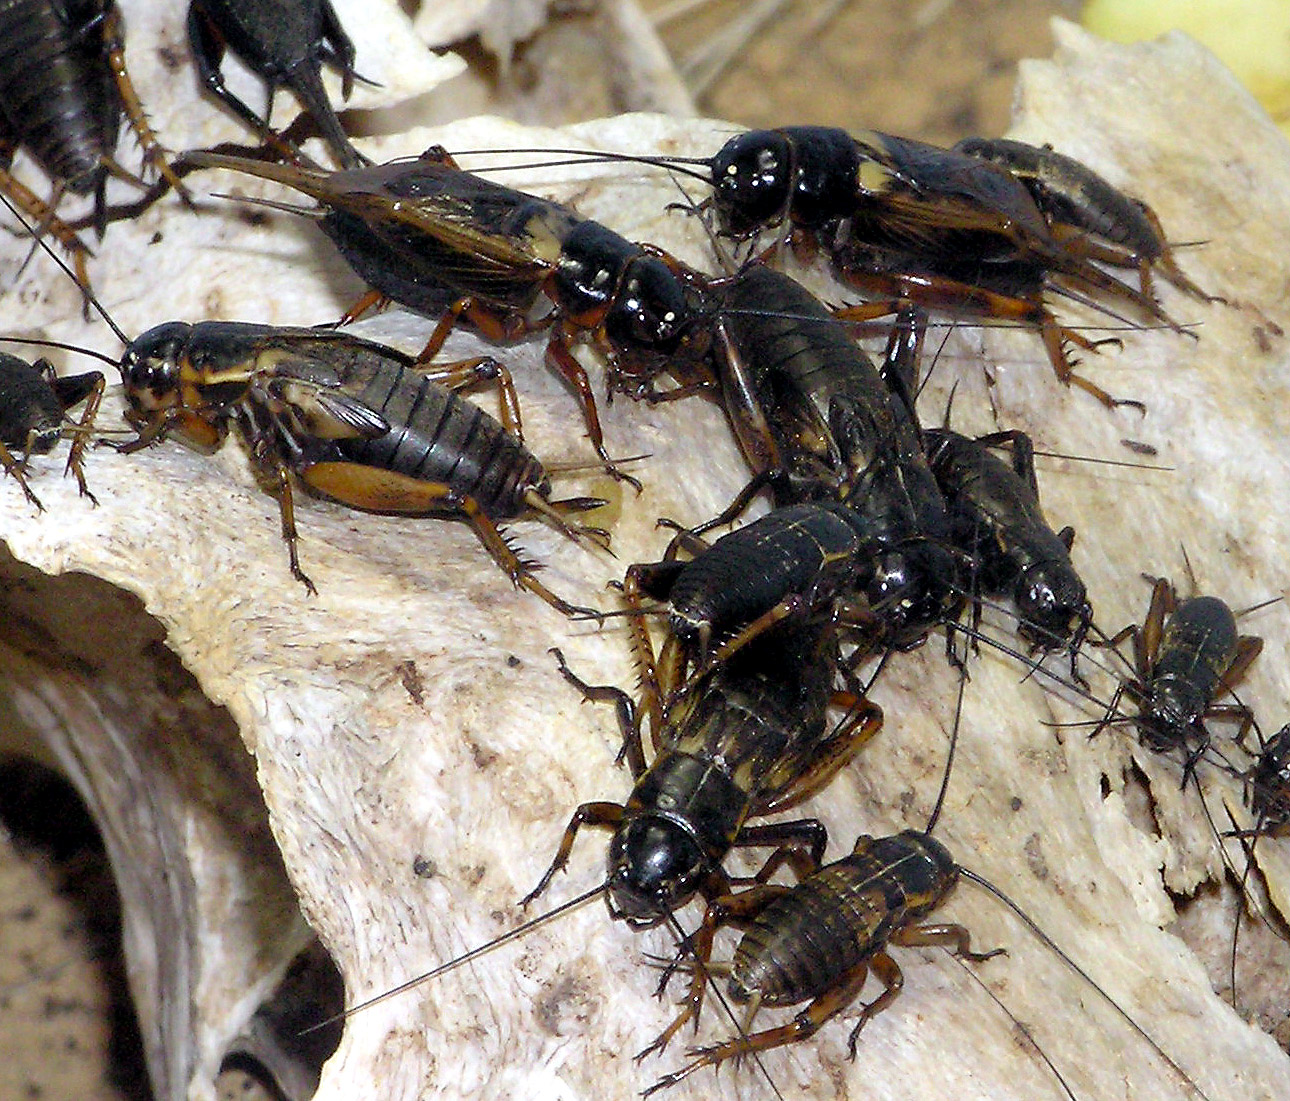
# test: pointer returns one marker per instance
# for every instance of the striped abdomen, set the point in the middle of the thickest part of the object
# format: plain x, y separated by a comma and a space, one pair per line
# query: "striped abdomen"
805, 941
57, 94
436, 436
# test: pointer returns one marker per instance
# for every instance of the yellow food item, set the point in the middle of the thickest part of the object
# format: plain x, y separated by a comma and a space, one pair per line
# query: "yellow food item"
1252, 37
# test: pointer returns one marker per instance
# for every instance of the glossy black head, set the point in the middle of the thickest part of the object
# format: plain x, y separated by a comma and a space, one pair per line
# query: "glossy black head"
1268, 792
1172, 711
151, 364
654, 867
652, 308
892, 579
1161, 729
912, 588
752, 180
1052, 605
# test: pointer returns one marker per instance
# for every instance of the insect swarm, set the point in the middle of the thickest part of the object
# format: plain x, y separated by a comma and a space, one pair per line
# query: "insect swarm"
361, 778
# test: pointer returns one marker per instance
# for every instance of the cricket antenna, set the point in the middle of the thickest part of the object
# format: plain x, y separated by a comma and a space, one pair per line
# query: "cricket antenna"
85, 290
591, 156
1015, 1024
39, 342
1056, 949
722, 1000
949, 757
464, 958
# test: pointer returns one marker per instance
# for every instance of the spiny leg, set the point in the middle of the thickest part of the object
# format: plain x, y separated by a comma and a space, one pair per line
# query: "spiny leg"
737, 507
466, 374
498, 326
800, 844
287, 510
834, 1000
584, 536
936, 292
1146, 642
603, 815
643, 657
18, 468
763, 623
371, 300
948, 935
953, 937
625, 709
805, 1024
747, 416
735, 910
153, 153
42, 213
1022, 448
1248, 647
1077, 241
862, 721
378, 490
81, 437
560, 357
1055, 337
